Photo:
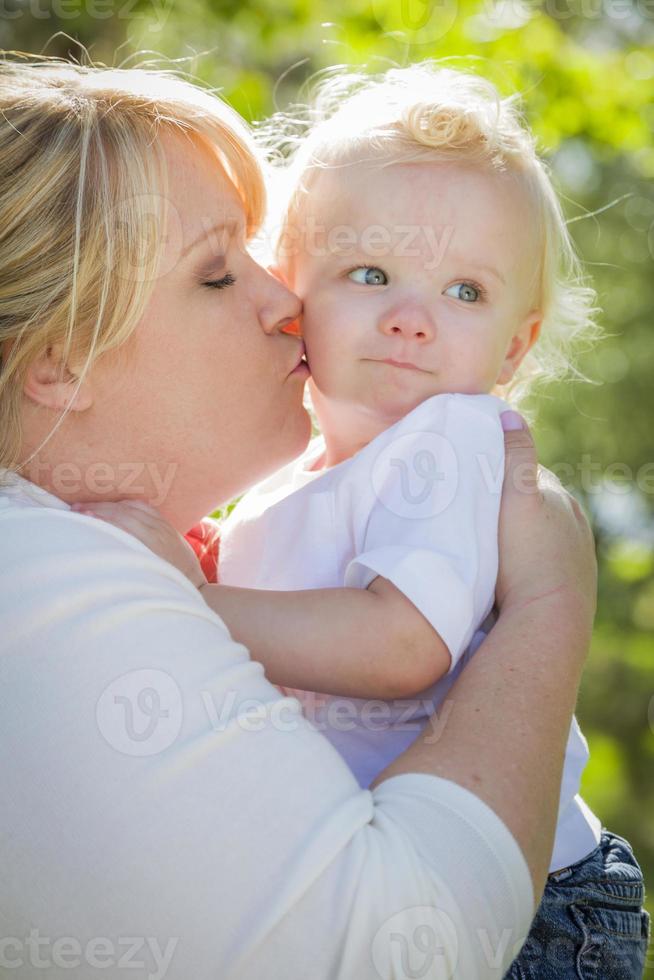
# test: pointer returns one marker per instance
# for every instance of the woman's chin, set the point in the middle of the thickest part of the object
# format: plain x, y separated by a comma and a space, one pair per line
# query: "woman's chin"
293, 436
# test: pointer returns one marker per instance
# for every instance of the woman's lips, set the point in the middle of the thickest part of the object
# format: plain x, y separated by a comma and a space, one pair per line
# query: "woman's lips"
301, 367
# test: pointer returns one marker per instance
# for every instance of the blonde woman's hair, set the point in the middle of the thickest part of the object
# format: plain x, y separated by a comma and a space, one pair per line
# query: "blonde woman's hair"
82, 176
429, 113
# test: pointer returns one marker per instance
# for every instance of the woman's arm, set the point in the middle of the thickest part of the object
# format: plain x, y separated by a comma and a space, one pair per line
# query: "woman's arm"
512, 706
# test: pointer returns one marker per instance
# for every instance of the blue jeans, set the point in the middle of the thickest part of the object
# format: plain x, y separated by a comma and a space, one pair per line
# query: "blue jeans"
590, 924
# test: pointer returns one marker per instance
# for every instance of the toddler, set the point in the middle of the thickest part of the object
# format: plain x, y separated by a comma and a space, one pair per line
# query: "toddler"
424, 237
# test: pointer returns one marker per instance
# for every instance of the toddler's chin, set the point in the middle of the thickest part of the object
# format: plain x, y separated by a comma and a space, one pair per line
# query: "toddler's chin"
399, 404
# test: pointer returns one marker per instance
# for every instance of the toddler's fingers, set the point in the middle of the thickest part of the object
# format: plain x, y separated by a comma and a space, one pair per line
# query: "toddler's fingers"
122, 520
134, 522
101, 509
143, 507
116, 505
120, 510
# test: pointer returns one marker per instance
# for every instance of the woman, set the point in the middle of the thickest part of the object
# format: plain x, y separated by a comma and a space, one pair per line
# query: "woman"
168, 809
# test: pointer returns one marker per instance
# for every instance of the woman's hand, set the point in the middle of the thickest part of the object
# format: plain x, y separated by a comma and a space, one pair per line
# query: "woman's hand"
147, 524
510, 708
546, 546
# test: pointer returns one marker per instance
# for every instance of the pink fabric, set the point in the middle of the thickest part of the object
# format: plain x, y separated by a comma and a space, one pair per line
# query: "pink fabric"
204, 538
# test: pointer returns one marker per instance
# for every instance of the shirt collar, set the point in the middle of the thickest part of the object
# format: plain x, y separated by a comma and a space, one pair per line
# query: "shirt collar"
16, 486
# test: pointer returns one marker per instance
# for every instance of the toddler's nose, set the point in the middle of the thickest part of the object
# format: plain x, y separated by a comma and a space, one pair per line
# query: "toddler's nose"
412, 322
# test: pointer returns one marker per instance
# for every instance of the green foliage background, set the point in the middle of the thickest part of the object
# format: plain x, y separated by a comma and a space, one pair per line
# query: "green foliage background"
586, 69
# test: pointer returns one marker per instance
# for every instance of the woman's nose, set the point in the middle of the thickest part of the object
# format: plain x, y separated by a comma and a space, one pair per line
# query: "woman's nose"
409, 321
280, 307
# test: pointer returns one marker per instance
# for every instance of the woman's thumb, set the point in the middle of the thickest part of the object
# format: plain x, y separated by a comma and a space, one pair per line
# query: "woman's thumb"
512, 421
520, 460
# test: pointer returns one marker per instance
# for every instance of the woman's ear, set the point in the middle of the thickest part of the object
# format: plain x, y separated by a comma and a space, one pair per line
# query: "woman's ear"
519, 345
51, 383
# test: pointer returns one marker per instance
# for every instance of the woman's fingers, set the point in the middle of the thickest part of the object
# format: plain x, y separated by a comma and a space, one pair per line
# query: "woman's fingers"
545, 543
520, 459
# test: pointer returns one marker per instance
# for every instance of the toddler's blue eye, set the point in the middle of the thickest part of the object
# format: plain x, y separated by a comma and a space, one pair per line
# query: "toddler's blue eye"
368, 275
465, 291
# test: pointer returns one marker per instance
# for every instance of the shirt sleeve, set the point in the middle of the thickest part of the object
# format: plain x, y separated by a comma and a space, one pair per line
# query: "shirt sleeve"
430, 520
166, 809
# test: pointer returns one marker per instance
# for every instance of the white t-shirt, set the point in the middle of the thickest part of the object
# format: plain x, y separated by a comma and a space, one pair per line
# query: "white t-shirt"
418, 505
167, 813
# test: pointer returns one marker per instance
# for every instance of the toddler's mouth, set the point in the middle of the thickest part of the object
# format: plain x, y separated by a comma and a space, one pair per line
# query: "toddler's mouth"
402, 364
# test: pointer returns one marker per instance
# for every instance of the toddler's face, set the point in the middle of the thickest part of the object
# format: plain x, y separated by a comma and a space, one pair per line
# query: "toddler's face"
417, 279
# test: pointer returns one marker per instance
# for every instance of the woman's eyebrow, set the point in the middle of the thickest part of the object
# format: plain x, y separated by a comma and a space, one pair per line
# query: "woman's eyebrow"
210, 235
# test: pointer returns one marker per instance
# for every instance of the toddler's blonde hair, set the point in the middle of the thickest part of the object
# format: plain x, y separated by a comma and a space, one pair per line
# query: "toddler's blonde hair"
82, 175
425, 113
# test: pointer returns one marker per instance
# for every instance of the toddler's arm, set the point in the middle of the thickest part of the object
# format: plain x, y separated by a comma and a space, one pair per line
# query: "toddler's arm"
352, 642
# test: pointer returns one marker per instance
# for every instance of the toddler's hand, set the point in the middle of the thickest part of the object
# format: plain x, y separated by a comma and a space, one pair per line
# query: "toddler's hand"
147, 524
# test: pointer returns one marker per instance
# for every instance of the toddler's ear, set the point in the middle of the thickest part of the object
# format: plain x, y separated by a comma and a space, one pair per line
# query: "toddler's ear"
519, 345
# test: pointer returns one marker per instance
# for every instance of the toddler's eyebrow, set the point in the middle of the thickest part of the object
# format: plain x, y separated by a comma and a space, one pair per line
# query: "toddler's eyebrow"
493, 271
462, 260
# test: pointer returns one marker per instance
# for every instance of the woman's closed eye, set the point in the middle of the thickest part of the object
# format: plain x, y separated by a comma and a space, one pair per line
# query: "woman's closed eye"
368, 275
469, 292
227, 280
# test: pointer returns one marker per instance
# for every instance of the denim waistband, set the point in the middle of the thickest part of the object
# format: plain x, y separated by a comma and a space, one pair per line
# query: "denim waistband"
610, 869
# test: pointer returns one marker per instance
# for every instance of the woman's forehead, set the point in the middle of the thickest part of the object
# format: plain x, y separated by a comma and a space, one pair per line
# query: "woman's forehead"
202, 201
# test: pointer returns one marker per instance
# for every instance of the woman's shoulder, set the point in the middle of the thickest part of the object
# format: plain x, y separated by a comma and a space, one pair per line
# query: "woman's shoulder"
45, 543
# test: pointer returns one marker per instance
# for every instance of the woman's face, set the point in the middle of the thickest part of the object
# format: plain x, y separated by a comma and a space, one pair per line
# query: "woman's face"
206, 397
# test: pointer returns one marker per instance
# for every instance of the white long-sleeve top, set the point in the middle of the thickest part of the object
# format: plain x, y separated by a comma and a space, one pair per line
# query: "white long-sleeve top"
164, 810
